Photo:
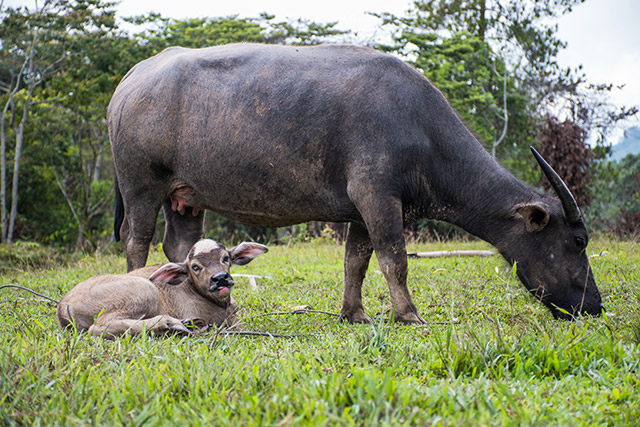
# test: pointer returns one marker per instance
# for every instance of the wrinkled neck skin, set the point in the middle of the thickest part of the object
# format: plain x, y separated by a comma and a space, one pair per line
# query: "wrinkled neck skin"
472, 190
184, 302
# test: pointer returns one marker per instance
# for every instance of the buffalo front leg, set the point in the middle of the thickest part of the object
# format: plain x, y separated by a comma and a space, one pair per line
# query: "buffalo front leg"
357, 254
113, 326
393, 263
181, 231
384, 223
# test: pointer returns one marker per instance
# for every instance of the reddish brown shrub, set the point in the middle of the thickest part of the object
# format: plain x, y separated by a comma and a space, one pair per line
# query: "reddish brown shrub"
563, 145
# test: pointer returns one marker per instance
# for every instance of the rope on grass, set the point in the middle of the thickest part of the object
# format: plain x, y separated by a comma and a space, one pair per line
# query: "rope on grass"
304, 311
266, 334
279, 313
298, 311
223, 330
32, 291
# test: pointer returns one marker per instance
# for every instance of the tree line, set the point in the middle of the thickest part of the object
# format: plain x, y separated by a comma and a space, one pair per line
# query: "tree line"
495, 60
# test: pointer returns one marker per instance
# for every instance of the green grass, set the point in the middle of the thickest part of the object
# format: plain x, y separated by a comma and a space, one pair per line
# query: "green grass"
489, 355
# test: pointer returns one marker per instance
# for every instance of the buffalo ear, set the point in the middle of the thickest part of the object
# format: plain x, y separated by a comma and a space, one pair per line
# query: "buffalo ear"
535, 215
171, 274
245, 252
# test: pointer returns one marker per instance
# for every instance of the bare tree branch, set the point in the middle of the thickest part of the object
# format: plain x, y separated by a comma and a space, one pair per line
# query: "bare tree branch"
65, 194
100, 204
504, 109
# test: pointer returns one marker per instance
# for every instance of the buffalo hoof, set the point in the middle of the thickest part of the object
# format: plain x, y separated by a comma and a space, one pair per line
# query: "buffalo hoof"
179, 329
194, 325
356, 316
408, 319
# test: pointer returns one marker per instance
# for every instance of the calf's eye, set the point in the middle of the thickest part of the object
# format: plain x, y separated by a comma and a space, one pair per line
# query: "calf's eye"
225, 259
195, 268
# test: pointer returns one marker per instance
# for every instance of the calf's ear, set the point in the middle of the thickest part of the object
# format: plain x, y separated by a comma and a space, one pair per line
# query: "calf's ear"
170, 274
245, 252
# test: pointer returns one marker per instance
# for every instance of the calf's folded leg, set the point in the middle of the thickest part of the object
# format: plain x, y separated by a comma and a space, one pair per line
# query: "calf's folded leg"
114, 326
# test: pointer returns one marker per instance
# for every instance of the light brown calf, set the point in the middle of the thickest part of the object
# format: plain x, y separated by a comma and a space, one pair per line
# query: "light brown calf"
146, 271
159, 299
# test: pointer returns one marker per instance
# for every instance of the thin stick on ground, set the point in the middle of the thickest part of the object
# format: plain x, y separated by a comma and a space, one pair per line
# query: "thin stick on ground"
444, 254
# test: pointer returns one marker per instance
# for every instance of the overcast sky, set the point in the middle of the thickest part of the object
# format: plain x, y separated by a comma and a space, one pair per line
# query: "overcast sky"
602, 35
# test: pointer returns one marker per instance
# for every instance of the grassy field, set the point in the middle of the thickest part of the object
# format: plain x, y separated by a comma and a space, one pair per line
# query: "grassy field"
489, 355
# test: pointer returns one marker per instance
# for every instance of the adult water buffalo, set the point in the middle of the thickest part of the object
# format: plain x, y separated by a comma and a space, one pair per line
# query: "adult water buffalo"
278, 135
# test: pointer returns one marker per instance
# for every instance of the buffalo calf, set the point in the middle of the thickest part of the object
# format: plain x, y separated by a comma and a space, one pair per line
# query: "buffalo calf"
160, 299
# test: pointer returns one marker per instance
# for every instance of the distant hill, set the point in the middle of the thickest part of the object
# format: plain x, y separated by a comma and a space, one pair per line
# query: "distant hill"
630, 144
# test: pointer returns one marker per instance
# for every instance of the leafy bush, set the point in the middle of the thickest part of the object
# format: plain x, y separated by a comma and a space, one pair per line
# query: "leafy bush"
616, 198
563, 145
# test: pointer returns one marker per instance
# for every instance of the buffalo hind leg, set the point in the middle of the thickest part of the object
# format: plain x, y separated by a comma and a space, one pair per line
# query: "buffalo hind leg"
357, 254
137, 232
181, 232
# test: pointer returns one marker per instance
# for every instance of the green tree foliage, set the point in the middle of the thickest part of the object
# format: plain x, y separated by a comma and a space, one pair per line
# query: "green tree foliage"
194, 33
616, 197
520, 33
203, 32
483, 55
478, 86
496, 61
38, 46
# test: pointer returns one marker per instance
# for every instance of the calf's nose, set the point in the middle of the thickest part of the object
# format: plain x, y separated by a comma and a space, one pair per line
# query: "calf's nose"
222, 279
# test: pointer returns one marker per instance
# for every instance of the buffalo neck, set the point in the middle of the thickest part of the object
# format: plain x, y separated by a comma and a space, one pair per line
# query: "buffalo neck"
471, 189
183, 301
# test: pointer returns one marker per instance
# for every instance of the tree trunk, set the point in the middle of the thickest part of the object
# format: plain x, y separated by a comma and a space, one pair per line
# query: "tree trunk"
9, 106
98, 165
16, 167
3, 171
31, 85
482, 19
505, 111
80, 239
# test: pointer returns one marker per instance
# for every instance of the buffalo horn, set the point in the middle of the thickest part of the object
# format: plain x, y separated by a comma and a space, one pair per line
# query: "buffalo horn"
569, 205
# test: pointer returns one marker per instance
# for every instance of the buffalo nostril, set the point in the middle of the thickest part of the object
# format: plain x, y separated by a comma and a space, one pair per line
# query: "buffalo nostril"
222, 279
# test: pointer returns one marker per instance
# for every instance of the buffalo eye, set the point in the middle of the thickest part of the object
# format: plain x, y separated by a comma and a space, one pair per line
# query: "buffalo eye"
581, 243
